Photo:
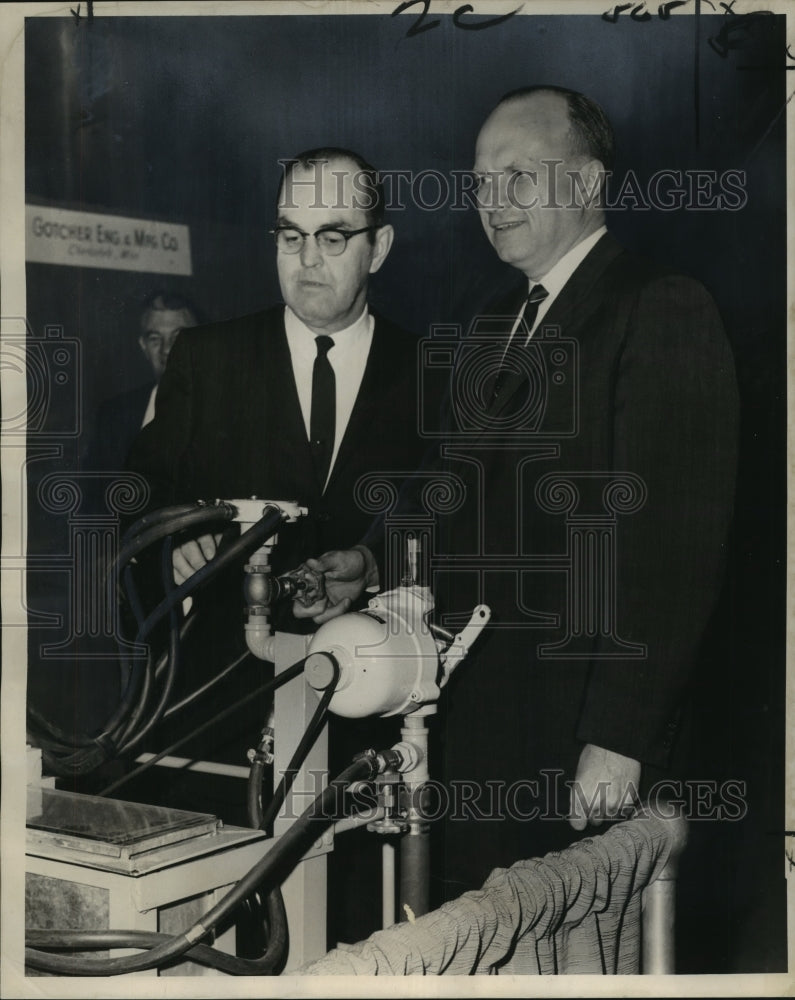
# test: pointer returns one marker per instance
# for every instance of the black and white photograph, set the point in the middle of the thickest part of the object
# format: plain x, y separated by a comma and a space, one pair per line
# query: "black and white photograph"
394, 487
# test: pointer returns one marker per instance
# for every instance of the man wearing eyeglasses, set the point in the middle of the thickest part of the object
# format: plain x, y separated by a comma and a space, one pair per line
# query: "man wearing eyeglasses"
295, 402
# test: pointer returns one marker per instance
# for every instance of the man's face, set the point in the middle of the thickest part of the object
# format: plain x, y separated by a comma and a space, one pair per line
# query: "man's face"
525, 206
161, 327
327, 293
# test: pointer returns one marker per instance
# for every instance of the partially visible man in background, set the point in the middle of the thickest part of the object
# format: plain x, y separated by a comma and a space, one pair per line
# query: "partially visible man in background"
120, 418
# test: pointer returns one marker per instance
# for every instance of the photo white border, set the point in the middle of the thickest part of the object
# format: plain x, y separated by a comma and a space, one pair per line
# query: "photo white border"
13, 983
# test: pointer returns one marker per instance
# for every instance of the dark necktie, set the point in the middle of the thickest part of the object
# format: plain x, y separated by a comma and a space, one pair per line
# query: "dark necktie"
512, 362
323, 416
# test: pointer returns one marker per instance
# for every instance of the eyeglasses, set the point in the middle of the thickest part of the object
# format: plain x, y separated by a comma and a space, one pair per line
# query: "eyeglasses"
330, 242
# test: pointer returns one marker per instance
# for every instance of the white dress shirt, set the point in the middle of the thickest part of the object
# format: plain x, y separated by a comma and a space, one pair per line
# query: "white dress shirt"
149, 413
557, 276
348, 359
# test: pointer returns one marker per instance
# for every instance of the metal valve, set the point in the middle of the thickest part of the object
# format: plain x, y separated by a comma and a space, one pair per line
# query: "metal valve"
388, 788
307, 586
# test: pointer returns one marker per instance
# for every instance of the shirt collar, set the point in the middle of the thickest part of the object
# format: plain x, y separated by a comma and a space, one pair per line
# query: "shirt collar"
557, 276
302, 339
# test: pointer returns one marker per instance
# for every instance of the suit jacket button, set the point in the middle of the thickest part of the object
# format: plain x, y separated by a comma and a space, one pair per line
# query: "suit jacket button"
323, 517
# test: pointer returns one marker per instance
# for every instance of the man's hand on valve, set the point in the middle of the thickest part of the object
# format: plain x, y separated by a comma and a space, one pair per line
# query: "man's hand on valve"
347, 574
605, 787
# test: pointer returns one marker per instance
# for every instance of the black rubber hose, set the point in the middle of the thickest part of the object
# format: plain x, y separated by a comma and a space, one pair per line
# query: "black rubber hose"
185, 629
271, 685
55, 736
134, 732
254, 792
305, 744
247, 542
137, 710
50, 737
165, 521
175, 595
289, 849
293, 844
199, 692
128, 743
256, 775
257, 771
108, 743
79, 763
165, 528
158, 516
266, 965
98, 751
170, 526
130, 590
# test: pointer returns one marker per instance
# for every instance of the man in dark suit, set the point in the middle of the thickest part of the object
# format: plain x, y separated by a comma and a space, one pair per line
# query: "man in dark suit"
120, 418
233, 416
601, 467
236, 416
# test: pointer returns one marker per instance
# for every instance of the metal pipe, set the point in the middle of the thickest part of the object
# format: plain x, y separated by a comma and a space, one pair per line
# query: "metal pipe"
658, 928
415, 843
388, 884
354, 822
415, 871
203, 766
659, 907
260, 640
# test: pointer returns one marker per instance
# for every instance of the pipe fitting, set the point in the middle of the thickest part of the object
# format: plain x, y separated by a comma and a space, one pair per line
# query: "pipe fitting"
411, 756
259, 638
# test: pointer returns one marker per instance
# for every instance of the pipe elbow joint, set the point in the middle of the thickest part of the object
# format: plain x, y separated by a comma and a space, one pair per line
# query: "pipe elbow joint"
260, 640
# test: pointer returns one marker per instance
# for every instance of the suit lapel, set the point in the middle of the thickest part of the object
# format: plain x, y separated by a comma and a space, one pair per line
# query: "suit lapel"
580, 288
287, 440
569, 309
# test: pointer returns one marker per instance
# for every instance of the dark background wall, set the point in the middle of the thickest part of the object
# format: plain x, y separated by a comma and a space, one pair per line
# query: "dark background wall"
184, 119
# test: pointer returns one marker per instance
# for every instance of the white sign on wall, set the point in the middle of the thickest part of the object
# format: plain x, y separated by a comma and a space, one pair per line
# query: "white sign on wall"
92, 239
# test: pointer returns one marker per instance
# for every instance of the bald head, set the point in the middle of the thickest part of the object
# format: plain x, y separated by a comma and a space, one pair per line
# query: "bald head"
591, 134
541, 112
537, 177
